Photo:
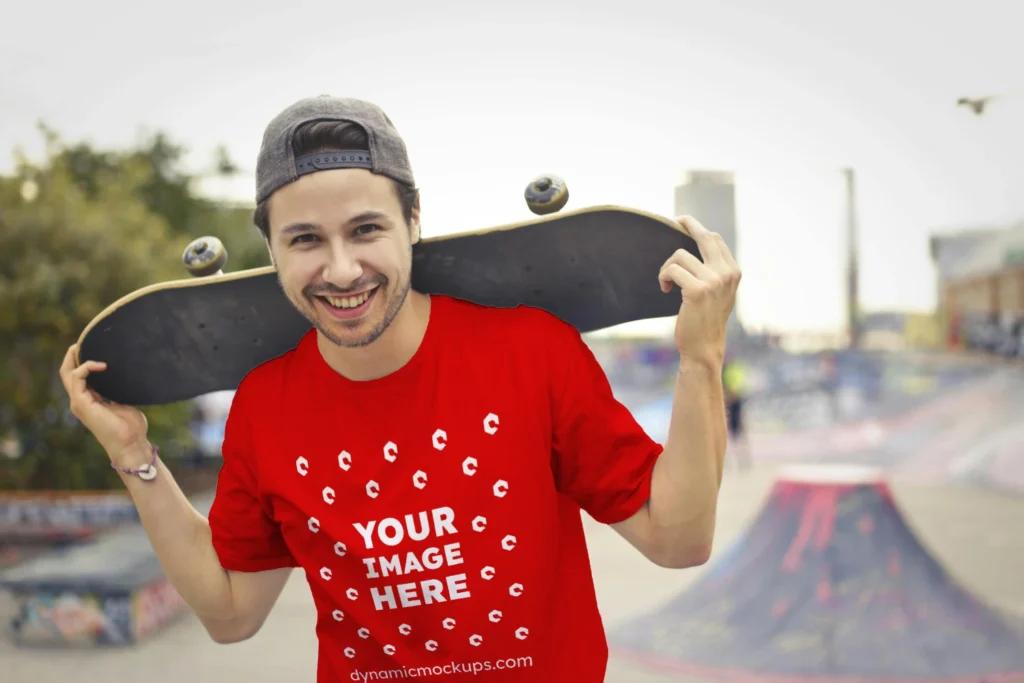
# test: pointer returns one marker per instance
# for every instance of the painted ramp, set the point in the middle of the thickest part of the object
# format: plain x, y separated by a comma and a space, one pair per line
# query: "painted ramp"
109, 591
828, 584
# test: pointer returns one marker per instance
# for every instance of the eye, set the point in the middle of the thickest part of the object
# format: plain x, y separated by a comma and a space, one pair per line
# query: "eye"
304, 238
367, 228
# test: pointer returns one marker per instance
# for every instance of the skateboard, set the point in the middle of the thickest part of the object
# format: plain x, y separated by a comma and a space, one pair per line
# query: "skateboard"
594, 268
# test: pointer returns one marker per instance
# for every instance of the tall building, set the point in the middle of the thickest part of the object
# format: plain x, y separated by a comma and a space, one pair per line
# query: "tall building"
710, 197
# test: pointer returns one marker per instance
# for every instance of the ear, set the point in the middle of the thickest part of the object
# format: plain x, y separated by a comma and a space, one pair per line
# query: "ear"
270, 252
265, 209
414, 222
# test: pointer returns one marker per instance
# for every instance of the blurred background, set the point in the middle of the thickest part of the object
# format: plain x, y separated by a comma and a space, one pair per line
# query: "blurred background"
865, 163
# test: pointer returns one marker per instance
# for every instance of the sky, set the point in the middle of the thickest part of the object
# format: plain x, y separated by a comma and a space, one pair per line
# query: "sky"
620, 99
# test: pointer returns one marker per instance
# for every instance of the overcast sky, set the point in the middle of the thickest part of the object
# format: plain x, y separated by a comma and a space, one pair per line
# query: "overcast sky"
619, 98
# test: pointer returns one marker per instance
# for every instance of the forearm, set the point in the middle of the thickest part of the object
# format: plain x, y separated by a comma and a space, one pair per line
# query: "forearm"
687, 477
182, 541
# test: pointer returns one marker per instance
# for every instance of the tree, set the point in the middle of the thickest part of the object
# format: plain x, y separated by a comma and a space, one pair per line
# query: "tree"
78, 231
168, 191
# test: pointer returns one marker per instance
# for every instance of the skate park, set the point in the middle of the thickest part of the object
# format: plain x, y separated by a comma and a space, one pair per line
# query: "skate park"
865, 174
850, 549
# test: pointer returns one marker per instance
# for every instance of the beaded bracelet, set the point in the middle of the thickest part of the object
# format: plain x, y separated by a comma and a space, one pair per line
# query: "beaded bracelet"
146, 472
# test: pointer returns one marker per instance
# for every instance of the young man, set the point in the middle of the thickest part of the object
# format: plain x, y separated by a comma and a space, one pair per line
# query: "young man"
424, 461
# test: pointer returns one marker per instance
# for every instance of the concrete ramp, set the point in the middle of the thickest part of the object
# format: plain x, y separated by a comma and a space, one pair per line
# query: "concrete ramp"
828, 583
109, 591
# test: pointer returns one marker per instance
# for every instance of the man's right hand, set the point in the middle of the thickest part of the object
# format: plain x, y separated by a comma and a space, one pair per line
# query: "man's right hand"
120, 429
232, 606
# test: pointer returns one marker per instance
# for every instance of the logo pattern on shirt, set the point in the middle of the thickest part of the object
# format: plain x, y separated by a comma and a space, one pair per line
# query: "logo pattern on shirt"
387, 534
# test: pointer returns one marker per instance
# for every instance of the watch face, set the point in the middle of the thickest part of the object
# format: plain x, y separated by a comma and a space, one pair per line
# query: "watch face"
147, 472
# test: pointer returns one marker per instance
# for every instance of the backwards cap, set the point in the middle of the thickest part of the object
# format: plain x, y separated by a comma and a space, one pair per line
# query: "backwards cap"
277, 164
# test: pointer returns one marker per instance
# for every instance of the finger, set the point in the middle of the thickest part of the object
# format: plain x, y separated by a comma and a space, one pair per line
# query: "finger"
683, 258
66, 367
726, 252
674, 274
99, 399
702, 236
79, 374
731, 273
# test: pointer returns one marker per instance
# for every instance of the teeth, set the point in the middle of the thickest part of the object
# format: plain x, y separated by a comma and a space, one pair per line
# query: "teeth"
348, 302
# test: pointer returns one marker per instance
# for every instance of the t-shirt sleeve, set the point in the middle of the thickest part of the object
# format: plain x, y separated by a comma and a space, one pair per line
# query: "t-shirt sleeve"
245, 537
603, 459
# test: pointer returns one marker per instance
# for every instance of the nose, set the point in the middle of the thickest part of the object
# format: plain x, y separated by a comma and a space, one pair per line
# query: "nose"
342, 267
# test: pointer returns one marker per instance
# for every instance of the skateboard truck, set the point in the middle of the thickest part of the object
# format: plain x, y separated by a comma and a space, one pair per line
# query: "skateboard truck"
205, 256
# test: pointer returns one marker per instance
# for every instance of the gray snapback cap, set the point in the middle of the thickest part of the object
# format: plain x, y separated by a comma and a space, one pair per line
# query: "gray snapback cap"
277, 164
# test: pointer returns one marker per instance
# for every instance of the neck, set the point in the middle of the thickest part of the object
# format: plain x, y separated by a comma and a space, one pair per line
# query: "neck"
389, 352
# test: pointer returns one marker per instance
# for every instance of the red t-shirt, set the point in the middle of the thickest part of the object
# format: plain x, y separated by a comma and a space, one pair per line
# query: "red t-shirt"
436, 511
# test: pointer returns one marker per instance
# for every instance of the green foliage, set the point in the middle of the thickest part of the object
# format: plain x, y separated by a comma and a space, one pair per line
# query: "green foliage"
77, 232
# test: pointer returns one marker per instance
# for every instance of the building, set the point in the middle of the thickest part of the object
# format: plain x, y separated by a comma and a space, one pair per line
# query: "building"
710, 197
980, 279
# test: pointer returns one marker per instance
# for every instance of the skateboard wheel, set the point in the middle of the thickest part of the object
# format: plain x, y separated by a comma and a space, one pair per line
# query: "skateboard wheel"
546, 194
205, 256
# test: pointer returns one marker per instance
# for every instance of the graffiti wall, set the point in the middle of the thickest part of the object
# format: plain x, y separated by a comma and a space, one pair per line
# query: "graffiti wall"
154, 606
74, 618
110, 590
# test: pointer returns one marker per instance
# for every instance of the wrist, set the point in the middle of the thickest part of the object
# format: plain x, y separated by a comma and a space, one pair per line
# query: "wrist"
133, 457
701, 362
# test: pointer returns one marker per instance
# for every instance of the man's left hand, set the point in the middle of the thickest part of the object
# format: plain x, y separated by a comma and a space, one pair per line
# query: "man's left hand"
708, 290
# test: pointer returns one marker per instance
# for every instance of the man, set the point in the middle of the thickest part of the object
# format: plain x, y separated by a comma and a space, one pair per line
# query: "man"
734, 382
424, 460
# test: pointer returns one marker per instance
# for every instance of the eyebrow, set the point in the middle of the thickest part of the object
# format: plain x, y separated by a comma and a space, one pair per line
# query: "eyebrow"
370, 215
299, 227
311, 227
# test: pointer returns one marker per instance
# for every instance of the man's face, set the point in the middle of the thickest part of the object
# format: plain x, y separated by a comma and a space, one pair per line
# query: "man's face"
343, 252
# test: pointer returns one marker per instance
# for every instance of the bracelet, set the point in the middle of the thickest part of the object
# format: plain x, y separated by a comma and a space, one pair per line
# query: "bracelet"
146, 472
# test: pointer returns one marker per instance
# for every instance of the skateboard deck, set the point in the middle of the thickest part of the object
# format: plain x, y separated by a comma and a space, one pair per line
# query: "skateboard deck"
593, 268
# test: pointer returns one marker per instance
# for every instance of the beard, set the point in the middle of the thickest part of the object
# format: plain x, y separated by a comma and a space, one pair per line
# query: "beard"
393, 302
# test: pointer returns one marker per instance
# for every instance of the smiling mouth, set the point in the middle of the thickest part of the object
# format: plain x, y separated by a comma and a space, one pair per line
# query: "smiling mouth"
348, 302
348, 307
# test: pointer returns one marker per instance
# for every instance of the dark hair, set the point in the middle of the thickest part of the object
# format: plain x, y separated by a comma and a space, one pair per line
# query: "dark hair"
329, 136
